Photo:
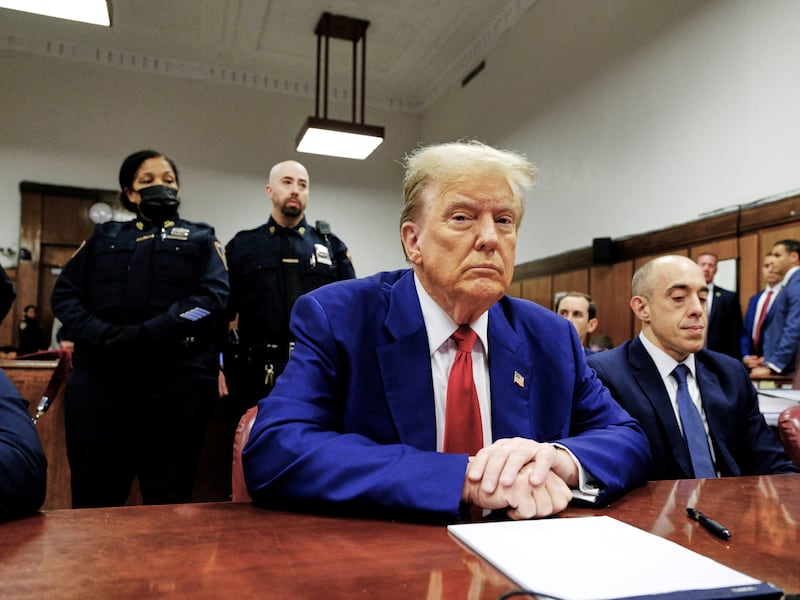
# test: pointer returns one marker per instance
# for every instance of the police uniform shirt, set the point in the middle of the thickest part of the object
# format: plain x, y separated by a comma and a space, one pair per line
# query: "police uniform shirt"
263, 262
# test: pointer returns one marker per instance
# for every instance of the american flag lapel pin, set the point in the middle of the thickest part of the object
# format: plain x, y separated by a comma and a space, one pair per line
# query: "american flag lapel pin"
519, 379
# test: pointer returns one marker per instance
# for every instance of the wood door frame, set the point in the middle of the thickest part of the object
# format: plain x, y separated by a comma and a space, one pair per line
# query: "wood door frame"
32, 214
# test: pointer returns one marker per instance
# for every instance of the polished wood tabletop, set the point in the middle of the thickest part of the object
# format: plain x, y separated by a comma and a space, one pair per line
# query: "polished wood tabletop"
233, 550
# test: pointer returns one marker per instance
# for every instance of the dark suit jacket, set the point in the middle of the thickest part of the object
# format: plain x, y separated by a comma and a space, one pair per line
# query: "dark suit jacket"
781, 329
23, 467
724, 328
350, 424
746, 347
743, 443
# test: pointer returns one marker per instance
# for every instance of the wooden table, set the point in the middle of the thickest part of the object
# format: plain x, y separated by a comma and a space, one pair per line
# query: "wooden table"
230, 550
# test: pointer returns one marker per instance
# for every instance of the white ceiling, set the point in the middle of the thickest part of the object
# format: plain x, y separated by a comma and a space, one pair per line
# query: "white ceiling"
415, 48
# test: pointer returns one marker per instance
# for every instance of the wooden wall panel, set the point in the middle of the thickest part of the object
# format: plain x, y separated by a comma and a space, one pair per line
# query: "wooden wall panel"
724, 249
571, 281
751, 277
770, 237
65, 219
538, 289
611, 291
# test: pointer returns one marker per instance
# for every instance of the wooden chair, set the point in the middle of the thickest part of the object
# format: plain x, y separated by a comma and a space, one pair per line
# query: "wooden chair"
238, 485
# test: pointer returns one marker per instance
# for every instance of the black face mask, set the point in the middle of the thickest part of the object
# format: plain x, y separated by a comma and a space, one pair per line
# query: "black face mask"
159, 203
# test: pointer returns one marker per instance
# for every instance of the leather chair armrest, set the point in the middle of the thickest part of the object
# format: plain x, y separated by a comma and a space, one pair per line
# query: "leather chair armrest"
789, 432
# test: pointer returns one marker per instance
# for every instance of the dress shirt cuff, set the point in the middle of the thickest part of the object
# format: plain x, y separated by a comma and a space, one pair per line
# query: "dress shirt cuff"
587, 490
773, 368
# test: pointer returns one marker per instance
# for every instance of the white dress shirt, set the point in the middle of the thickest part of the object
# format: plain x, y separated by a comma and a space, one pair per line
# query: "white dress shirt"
442, 349
443, 353
666, 365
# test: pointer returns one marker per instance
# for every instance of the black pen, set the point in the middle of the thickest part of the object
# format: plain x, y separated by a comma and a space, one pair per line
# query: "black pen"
714, 527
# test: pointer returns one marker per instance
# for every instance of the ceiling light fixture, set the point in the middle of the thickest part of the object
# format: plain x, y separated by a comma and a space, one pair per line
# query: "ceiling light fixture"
331, 137
95, 12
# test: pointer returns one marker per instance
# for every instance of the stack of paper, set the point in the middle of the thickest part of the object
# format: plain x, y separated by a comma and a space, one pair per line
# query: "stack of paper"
599, 558
773, 402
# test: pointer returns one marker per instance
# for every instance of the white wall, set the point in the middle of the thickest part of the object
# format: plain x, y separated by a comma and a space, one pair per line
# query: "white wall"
71, 123
639, 113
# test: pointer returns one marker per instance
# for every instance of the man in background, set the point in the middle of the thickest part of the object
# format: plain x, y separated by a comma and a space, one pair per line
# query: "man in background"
31, 334
758, 308
781, 328
698, 407
579, 309
724, 327
269, 268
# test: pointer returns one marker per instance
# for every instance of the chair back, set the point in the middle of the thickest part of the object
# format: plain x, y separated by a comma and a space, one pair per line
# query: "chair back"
238, 485
789, 432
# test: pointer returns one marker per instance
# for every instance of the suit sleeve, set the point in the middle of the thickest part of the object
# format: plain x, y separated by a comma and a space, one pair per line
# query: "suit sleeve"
300, 455
23, 467
70, 298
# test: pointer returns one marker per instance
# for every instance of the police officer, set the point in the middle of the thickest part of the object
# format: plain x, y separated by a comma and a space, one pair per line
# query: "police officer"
271, 266
144, 301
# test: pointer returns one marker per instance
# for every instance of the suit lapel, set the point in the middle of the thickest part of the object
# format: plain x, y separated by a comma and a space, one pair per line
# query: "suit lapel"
511, 379
652, 387
406, 367
714, 407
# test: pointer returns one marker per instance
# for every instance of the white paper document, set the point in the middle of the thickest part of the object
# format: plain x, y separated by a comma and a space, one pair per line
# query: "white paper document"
598, 558
772, 402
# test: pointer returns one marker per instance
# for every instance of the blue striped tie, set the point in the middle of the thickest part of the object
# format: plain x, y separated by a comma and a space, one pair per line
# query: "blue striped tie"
693, 429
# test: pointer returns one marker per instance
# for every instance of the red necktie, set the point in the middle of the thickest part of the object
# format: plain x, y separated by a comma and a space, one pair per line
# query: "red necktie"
761, 317
463, 433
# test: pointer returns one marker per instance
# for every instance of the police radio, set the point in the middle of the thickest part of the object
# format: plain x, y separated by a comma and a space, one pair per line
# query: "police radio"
324, 228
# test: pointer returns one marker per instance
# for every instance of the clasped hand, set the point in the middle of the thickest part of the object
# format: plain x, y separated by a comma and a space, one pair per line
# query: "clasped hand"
528, 478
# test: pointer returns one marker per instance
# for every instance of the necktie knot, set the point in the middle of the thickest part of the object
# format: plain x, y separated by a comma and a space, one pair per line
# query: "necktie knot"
465, 338
679, 373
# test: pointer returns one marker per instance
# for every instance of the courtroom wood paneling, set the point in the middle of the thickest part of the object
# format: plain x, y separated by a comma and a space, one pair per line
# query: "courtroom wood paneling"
571, 281
724, 249
65, 220
770, 237
750, 261
539, 290
611, 291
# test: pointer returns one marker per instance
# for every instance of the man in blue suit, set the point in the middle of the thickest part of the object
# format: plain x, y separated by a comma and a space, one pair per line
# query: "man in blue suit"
751, 344
669, 297
782, 325
359, 420
23, 466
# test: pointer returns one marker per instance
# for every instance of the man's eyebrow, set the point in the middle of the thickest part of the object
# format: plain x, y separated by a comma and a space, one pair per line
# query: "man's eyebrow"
683, 287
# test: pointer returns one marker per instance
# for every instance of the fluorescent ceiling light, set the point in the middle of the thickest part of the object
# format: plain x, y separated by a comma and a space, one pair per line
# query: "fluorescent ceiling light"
95, 12
330, 137
338, 138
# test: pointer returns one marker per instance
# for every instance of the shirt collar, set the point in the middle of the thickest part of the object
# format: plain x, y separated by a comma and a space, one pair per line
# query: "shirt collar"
788, 276
273, 227
440, 326
664, 362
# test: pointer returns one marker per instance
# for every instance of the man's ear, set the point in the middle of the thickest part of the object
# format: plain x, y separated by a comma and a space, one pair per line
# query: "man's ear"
640, 308
592, 325
409, 235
